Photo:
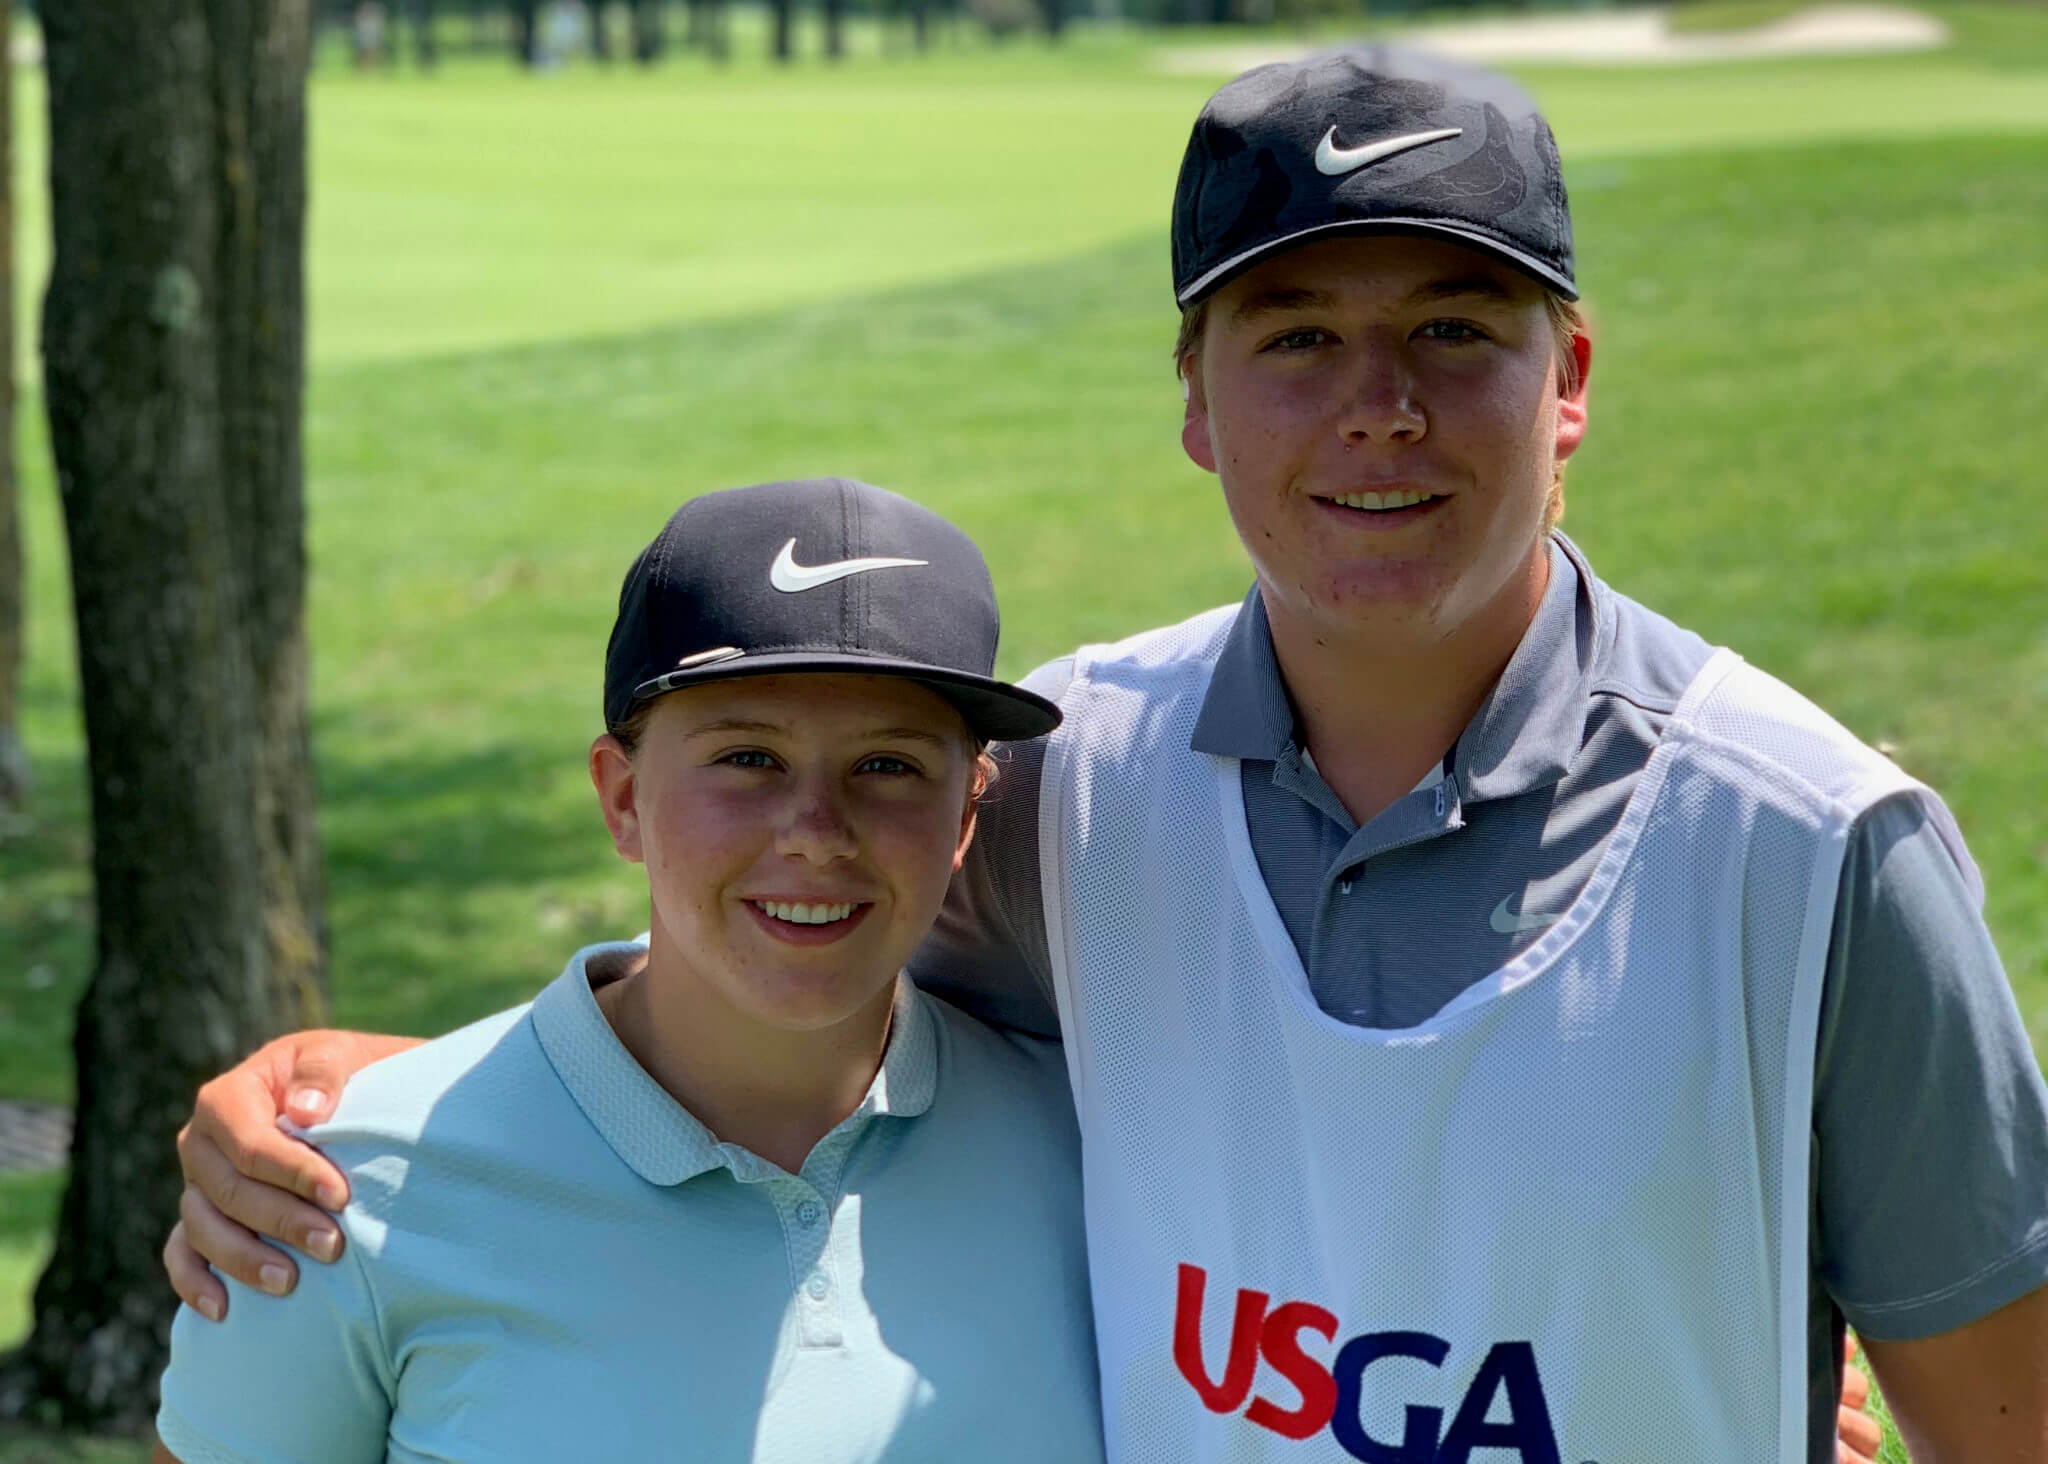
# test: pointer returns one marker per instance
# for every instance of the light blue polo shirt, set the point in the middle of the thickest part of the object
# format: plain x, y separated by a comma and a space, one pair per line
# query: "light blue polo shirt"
550, 1259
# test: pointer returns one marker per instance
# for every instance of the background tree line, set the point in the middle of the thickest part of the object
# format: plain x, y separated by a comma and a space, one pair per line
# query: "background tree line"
535, 32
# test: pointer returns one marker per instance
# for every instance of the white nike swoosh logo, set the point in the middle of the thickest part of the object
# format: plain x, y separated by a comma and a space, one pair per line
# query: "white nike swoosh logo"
1505, 924
1334, 161
790, 577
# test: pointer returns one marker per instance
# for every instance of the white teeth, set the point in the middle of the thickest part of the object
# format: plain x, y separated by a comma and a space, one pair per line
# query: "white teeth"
1380, 502
797, 914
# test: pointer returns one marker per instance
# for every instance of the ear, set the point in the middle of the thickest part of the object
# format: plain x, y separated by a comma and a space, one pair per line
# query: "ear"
611, 773
967, 814
1571, 402
1194, 426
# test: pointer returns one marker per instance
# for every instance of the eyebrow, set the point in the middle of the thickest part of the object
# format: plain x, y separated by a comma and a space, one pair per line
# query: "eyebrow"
905, 734
875, 734
1281, 298
1484, 286
732, 724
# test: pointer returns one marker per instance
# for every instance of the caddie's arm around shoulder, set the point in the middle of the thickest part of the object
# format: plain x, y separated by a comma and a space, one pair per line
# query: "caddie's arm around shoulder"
246, 1179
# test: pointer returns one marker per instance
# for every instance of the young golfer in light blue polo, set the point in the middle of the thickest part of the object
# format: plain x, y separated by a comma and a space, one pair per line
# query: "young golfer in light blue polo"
737, 1191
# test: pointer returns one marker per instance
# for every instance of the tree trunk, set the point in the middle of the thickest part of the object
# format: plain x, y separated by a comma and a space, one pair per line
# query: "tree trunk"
649, 37
704, 29
835, 28
13, 587
778, 37
526, 32
173, 348
426, 40
600, 37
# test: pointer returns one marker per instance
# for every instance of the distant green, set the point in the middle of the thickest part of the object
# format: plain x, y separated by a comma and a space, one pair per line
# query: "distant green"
545, 310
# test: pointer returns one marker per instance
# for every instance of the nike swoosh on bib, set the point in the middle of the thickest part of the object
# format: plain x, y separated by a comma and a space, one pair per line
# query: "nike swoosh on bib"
792, 578
1505, 924
1334, 161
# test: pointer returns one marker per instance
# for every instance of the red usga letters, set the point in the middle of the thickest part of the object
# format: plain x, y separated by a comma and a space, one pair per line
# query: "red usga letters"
1331, 1395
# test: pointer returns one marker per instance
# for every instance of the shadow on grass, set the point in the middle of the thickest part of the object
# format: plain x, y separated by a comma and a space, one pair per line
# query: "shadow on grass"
33, 1446
448, 823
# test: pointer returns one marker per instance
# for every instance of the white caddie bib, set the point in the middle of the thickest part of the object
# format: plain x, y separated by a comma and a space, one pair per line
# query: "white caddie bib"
1564, 1220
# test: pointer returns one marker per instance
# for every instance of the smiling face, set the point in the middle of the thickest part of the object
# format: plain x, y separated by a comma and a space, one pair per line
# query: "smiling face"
1385, 414
799, 833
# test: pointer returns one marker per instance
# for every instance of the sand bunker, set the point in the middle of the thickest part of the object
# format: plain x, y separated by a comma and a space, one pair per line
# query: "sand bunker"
1613, 38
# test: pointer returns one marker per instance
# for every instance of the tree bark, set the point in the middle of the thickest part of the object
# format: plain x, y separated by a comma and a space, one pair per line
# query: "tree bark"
835, 28
13, 587
173, 348
779, 33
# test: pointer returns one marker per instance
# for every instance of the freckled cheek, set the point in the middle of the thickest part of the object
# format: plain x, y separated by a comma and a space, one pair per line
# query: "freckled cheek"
700, 836
912, 842
1267, 440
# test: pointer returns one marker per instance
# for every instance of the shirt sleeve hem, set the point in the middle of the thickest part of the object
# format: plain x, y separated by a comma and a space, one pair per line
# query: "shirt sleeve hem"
1969, 1300
192, 1446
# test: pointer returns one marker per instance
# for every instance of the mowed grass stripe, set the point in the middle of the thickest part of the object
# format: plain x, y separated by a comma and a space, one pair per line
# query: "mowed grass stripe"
480, 207
1814, 435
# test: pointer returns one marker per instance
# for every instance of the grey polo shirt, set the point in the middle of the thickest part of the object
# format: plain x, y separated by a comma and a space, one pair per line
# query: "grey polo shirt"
1925, 1083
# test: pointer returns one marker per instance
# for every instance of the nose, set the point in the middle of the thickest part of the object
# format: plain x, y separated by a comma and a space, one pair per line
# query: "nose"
814, 825
1380, 403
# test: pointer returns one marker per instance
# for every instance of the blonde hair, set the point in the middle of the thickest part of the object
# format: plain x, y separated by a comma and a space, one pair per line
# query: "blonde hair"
1567, 321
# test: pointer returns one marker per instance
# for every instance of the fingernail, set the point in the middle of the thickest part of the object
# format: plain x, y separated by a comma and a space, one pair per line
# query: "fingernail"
323, 1245
330, 1197
209, 1307
307, 1103
274, 1279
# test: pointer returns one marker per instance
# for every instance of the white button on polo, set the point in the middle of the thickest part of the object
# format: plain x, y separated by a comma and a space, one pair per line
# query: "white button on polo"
818, 1285
808, 1212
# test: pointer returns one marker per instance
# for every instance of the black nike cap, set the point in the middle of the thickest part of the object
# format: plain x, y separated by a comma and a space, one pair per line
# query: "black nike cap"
821, 575
1371, 140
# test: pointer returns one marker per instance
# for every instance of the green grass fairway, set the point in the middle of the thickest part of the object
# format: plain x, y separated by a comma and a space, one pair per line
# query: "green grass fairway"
546, 310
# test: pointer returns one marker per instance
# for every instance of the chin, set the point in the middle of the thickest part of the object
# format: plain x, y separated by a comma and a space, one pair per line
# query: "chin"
1380, 592
801, 1007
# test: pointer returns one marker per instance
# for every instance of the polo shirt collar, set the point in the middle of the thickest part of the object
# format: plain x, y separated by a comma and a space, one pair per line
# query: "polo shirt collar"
1245, 712
657, 1137
1526, 733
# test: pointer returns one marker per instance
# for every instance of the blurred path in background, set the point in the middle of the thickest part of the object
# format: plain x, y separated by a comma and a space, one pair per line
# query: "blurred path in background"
1616, 38
34, 1137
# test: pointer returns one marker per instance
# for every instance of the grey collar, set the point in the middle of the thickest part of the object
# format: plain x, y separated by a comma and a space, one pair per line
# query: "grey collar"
1526, 733
660, 1139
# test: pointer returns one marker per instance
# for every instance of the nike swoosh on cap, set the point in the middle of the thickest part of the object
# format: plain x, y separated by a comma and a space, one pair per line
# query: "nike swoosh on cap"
1334, 161
1505, 924
792, 578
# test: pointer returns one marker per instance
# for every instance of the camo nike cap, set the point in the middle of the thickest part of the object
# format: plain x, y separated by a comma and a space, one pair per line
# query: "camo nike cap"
1373, 140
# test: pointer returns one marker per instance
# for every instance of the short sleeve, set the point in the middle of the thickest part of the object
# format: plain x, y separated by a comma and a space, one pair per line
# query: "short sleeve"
987, 954
302, 1379
1931, 1118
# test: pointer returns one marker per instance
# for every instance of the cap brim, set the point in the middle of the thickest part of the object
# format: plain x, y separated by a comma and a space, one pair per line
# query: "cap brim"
992, 709
1218, 276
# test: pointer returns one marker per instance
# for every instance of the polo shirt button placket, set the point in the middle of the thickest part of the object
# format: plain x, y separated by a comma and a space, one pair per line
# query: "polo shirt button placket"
817, 1312
803, 1212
